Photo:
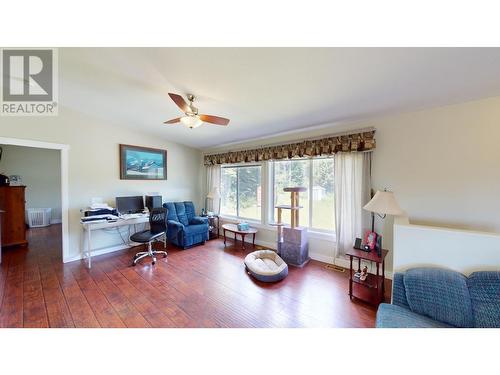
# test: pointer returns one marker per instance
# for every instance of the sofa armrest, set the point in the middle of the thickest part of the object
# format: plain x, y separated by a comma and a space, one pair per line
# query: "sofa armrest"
198, 220
399, 291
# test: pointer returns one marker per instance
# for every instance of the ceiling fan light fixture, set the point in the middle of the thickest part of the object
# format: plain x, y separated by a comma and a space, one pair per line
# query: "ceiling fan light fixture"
191, 122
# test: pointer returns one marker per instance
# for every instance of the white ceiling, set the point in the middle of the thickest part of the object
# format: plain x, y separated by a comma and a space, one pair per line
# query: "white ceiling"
265, 91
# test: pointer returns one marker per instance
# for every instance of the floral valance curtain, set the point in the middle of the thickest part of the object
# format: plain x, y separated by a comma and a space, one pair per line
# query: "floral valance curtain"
326, 146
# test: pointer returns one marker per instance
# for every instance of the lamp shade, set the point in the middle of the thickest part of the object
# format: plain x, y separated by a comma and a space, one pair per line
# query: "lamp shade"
191, 122
384, 203
214, 193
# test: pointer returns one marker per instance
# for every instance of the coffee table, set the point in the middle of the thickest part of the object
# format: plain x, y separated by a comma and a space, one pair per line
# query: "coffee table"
233, 228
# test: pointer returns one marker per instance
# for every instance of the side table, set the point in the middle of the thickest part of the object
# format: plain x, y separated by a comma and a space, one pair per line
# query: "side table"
373, 288
213, 227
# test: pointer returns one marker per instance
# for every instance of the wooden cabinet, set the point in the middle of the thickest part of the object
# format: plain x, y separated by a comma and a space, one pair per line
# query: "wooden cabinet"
13, 220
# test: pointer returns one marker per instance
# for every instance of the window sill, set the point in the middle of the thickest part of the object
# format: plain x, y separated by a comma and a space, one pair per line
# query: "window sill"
317, 235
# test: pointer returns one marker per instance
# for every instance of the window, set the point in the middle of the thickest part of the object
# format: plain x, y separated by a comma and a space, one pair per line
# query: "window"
318, 202
292, 173
241, 191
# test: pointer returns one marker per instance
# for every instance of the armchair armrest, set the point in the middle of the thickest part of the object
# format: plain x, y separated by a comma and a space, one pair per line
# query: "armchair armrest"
198, 220
176, 224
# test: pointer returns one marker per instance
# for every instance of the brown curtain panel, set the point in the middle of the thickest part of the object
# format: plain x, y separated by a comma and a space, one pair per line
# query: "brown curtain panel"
326, 146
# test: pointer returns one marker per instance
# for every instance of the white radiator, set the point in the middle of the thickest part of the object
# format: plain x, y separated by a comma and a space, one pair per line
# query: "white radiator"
38, 217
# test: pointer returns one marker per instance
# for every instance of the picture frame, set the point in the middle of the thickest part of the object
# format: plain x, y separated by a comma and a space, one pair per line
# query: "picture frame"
370, 240
142, 163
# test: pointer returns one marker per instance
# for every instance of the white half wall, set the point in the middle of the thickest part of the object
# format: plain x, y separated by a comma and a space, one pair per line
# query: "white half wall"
460, 250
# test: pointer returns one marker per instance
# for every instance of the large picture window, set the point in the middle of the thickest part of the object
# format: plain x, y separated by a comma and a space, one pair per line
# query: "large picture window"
316, 175
241, 191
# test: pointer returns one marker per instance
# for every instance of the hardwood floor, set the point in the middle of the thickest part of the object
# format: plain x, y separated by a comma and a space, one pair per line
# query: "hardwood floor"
205, 286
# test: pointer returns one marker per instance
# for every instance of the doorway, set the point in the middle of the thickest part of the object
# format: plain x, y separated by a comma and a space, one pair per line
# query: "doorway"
60, 213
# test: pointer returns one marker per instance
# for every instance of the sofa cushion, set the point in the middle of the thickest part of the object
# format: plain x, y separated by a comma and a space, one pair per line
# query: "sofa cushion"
439, 294
171, 213
398, 290
484, 290
393, 316
180, 208
190, 211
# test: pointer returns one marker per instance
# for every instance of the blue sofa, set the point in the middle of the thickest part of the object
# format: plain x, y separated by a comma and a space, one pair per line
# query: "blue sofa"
439, 298
184, 228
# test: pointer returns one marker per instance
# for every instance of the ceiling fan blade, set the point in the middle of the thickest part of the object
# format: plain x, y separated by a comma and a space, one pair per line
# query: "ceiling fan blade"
173, 121
214, 119
179, 100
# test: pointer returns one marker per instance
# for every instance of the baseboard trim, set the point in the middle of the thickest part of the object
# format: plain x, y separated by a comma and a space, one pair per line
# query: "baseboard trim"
55, 221
98, 252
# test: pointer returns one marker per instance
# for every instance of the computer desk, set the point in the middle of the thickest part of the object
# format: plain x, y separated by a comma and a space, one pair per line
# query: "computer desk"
88, 227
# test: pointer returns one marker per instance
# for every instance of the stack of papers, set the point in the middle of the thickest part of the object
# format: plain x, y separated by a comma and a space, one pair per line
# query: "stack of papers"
100, 206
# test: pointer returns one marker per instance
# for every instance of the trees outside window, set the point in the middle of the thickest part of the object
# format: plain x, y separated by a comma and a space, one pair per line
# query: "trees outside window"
318, 202
241, 191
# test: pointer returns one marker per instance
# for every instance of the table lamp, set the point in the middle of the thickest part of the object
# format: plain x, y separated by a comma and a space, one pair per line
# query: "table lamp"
213, 195
383, 203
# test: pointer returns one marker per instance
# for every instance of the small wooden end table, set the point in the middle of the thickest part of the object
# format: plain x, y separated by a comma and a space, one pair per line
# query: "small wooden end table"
213, 227
374, 284
233, 228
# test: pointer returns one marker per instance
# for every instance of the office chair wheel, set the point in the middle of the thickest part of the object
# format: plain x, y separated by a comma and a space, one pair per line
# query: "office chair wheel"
133, 264
153, 262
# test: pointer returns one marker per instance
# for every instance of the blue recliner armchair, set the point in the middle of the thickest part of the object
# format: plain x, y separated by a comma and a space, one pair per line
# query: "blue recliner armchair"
184, 228
440, 298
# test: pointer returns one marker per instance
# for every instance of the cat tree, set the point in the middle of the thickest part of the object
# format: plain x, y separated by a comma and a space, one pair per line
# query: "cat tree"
292, 242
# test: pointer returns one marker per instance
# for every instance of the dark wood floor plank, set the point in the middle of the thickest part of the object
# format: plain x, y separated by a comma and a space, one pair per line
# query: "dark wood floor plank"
34, 308
162, 300
57, 309
123, 307
154, 315
3, 278
81, 312
103, 311
11, 314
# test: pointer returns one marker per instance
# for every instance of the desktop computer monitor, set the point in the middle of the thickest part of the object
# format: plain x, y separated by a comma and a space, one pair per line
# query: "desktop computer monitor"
129, 205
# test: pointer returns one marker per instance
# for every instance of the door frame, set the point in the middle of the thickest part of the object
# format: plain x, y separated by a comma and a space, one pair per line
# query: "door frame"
64, 152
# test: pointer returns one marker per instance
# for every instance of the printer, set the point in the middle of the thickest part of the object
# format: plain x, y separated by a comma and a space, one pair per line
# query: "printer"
99, 212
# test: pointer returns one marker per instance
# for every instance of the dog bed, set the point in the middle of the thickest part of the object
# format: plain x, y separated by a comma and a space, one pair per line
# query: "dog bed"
266, 266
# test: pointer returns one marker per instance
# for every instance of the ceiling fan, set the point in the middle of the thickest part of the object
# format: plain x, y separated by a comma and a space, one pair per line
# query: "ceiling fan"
192, 119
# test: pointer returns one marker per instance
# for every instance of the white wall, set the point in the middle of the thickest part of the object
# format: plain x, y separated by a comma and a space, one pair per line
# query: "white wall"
460, 250
94, 164
40, 170
442, 164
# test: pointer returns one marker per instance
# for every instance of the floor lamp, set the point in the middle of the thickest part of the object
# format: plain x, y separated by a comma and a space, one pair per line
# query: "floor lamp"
213, 195
383, 203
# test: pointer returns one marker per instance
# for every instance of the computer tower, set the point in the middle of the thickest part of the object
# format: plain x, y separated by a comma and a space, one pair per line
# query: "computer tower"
153, 201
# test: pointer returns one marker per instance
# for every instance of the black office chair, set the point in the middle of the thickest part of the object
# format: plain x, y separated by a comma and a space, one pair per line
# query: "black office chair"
157, 229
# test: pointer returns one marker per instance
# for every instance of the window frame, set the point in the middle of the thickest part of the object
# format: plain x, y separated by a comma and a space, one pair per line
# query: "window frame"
237, 217
272, 209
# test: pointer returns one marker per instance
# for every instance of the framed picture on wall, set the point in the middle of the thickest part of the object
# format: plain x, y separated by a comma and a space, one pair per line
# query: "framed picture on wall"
142, 163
